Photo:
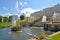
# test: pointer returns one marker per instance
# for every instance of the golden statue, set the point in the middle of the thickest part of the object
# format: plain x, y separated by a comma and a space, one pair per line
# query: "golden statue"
18, 23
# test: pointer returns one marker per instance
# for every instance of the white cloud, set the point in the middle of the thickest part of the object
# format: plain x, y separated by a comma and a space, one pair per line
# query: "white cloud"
28, 11
8, 14
6, 8
27, 15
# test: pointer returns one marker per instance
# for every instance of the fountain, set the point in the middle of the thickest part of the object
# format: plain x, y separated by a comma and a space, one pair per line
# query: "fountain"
15, 23
15, 20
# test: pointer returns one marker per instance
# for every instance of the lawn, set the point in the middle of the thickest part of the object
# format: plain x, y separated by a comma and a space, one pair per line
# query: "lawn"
55, 37
10, 24
5, 24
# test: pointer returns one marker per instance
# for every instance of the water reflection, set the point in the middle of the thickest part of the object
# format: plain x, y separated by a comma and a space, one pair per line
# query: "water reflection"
9, 32
6, 34
28, 31
16, 35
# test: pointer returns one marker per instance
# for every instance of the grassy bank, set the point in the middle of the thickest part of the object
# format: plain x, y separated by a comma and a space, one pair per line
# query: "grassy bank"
55, 37
5, 24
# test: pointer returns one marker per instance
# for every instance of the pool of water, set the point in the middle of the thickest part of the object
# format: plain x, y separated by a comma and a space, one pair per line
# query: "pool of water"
26, 33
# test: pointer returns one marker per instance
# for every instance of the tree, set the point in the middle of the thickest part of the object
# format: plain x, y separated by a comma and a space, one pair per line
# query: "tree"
0, 18
5, 19
10, 17
22, 17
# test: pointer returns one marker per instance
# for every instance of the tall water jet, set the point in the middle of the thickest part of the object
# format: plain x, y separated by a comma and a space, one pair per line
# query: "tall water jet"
15, 23
14, 19
43, 19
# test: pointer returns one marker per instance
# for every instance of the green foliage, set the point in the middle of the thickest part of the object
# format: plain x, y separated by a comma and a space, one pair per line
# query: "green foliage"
22, 17
0, 18
5, 19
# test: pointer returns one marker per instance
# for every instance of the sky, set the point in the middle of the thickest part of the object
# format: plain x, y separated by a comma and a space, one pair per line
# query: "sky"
17, 7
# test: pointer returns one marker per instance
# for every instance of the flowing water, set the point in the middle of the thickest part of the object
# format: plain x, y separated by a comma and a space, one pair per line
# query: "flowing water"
26, 33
